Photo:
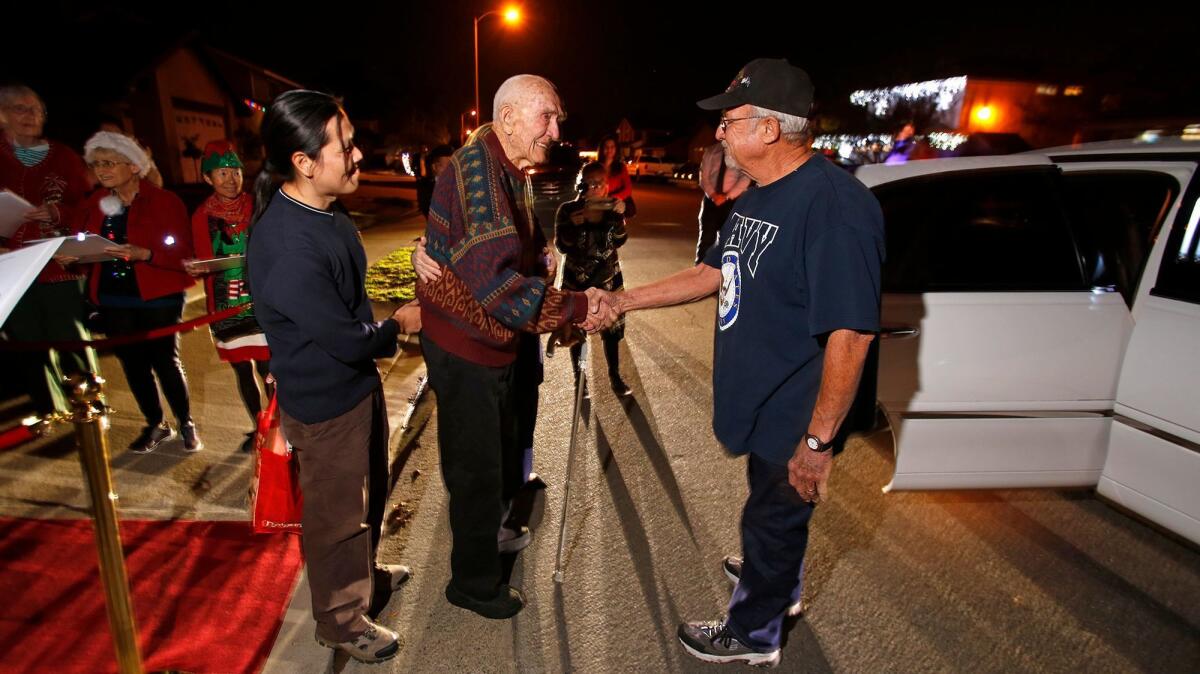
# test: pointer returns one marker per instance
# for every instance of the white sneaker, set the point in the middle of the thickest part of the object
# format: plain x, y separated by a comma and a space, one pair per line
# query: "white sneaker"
377, 644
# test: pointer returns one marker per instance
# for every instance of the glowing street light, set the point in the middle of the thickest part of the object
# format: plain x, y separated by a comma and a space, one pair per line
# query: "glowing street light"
985, 114
512, 17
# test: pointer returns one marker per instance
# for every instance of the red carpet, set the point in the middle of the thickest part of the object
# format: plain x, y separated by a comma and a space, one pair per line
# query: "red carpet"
207, 596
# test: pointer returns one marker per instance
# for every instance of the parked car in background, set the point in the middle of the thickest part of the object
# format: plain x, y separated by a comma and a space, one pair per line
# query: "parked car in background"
1041, 323
651, 167
687, 173
554, 183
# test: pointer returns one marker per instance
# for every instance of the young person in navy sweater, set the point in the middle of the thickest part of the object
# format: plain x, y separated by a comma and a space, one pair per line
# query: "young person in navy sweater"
307, 271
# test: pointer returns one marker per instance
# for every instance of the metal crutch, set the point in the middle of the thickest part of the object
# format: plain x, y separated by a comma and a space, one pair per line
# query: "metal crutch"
580, 386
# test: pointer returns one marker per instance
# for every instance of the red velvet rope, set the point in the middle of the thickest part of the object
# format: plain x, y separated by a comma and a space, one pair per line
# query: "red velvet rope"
122, 340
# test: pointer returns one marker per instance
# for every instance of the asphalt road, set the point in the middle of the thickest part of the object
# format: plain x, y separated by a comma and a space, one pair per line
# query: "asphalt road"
989, 581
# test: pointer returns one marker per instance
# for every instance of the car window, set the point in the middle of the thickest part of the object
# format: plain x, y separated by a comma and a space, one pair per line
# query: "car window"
1116, 216
978, 231
1179, 273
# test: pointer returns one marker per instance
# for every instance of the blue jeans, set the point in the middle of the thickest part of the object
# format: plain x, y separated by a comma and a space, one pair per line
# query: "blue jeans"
774, 538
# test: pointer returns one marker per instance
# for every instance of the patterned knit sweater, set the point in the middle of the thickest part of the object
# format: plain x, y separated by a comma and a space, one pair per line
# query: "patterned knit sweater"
482, 230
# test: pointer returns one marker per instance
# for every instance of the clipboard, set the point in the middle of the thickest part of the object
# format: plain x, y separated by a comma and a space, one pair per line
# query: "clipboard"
216, 264
18, 270
87, 247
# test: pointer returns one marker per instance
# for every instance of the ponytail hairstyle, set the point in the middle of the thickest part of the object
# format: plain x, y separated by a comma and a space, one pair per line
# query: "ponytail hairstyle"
295, 122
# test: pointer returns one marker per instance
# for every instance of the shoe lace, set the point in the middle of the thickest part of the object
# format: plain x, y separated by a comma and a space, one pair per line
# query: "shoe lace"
723, 635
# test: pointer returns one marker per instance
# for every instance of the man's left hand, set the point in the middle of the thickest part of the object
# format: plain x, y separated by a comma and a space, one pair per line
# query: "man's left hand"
808, 473
551, 262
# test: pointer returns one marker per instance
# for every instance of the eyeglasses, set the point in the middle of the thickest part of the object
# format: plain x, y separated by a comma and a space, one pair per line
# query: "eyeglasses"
25, 110
726, 121
595, 185
105, 164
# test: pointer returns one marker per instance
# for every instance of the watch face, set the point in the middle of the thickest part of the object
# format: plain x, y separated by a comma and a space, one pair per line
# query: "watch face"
813, 443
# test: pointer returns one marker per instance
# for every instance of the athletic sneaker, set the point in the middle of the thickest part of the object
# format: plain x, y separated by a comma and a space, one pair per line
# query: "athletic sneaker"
714, 642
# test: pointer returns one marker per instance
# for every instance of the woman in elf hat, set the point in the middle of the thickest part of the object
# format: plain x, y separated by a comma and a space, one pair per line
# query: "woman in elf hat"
221, 228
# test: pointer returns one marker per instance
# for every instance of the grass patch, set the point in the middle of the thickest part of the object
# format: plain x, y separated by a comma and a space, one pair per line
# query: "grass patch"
392, 279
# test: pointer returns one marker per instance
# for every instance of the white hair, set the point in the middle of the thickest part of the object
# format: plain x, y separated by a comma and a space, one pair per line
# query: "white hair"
793, 128
513, 88
10, 93
122, 145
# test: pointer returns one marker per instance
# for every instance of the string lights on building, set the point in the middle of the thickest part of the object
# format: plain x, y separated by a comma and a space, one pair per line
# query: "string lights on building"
944, 93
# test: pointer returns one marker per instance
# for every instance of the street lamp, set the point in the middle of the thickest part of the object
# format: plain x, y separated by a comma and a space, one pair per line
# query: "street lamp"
462, 125
512, 16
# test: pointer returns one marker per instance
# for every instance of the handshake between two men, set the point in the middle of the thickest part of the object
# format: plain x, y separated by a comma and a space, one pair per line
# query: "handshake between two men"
604, 310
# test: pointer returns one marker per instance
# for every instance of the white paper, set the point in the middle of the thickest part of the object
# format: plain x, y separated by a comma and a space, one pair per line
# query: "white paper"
86, 247
19, 269
12, 213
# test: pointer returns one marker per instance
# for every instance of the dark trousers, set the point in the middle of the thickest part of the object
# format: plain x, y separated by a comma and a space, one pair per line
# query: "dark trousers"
481, 461
248, 385
50, 312
528, 376
142, 361
774, 538
612, 353
344, 479
711, 218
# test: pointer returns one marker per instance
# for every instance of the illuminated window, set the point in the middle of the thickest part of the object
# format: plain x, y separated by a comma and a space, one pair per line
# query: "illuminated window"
1047, 90
1073, 91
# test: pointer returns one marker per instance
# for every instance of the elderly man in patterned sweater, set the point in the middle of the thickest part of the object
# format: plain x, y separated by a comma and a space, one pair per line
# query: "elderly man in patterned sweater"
481, 230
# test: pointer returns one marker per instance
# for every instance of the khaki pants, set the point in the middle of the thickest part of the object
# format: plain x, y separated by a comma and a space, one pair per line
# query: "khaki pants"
344, 478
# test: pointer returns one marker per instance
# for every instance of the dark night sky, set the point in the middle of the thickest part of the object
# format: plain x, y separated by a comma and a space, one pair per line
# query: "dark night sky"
648, 60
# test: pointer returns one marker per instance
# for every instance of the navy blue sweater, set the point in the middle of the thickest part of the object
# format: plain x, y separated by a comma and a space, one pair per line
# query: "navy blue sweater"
308, 271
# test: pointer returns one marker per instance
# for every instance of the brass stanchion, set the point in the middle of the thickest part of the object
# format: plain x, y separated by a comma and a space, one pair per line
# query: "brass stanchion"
90, 433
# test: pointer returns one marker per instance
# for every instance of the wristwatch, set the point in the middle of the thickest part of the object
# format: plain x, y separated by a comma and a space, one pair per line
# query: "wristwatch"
814, 443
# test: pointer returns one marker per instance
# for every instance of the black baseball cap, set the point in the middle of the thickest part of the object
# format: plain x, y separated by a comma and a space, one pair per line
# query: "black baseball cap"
773, 84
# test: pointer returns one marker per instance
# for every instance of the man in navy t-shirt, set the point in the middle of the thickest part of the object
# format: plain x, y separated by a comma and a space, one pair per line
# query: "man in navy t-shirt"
797, 273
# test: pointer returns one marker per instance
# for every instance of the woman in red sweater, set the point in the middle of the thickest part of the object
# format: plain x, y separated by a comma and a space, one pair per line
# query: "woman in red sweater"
620, 185
143, 287
52, 178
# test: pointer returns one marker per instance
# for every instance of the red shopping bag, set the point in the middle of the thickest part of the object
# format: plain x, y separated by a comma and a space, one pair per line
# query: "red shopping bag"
275, 496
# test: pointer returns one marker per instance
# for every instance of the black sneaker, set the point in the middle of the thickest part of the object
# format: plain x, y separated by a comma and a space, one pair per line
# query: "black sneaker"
513, 539
151, 437
714, 642
733, 571
377, 644
507, 603
247, 445
191, 441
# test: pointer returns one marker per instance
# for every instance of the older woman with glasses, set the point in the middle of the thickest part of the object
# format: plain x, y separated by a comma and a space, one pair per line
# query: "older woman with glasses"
142, 287
52, 178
